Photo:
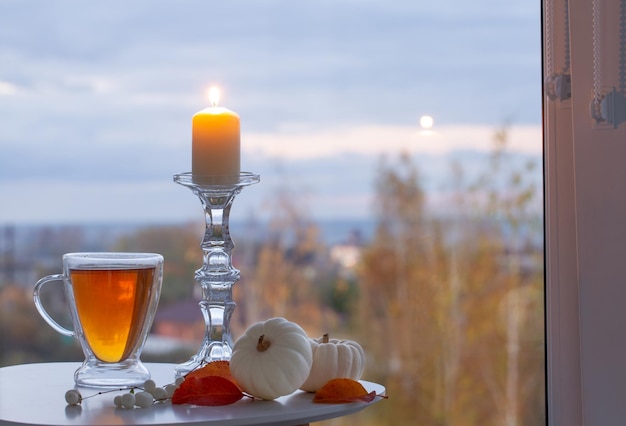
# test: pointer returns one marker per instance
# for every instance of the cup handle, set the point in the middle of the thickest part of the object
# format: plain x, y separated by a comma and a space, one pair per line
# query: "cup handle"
42, 311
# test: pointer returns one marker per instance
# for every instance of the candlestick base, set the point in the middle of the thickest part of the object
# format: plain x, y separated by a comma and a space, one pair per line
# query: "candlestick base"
217, 274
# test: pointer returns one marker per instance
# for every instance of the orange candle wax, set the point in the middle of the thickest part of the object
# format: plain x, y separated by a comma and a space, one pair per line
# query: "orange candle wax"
215, 143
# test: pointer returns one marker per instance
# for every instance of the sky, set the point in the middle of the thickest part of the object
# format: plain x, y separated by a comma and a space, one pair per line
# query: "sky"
96, 99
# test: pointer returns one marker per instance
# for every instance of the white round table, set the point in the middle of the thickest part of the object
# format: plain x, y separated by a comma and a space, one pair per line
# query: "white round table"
33, 394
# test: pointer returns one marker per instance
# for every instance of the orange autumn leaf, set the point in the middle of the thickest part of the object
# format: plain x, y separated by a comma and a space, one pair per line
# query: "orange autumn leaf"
339, 391
213, 368
207, 390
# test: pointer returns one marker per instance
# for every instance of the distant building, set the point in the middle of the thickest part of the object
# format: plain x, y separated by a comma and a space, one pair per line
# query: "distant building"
348, 253
181, 320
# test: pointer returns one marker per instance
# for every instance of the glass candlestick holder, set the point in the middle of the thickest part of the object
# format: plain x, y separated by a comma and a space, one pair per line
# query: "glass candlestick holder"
217, 274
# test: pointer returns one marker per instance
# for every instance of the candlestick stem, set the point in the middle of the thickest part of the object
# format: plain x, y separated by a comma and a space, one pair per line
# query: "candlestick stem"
217, 274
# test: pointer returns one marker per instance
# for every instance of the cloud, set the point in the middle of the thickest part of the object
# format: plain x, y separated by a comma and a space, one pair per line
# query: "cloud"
329, 63
331, 181
8, 88
100, 97
300, 142
62, 201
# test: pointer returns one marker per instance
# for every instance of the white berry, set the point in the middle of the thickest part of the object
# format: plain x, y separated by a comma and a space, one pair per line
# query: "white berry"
143, 399
118, 401
149, 385
128, 400
73, 397
159, 394
169, 389
179, 380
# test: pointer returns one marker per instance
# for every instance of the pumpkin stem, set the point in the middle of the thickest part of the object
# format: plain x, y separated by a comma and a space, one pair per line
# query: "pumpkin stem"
325, 338
262, 344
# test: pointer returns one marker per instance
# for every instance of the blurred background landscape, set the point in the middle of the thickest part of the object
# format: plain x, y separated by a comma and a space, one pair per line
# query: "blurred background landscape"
448, 308
424, 243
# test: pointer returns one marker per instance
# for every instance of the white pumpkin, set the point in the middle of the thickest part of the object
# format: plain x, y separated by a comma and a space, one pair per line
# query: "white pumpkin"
272, 358
334, 359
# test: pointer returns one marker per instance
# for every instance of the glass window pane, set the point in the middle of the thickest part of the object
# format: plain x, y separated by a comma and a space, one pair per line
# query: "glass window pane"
399, 146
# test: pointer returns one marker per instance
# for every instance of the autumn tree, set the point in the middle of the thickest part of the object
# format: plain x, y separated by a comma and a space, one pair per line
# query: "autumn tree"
180, 247
289, 265
401, 302
24, 335
451, 304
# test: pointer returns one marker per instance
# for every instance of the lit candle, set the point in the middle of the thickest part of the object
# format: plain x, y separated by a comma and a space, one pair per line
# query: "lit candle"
215, 143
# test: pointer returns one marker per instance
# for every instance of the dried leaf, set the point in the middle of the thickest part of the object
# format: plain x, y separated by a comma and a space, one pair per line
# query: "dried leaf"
207, 390
213, 368
339, 391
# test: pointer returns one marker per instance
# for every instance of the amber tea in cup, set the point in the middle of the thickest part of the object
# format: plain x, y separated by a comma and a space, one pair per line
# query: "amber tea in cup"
113, 298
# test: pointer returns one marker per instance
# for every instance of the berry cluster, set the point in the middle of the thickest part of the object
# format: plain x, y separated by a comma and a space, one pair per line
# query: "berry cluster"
146, 397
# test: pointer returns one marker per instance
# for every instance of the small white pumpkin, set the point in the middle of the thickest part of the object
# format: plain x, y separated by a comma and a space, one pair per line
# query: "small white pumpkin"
334, 359
272, 358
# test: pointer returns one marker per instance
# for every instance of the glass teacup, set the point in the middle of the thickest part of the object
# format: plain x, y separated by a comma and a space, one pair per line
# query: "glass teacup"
112, 298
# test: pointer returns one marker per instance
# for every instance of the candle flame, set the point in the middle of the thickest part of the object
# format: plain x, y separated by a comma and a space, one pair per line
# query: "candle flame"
214, 95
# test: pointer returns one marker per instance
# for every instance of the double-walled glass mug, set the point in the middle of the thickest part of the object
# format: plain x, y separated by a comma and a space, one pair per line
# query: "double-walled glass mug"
112, 299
